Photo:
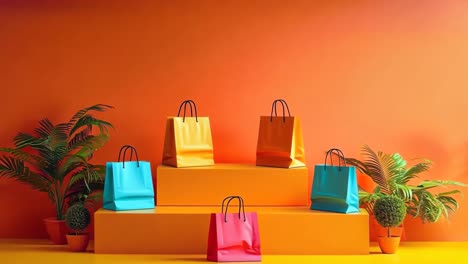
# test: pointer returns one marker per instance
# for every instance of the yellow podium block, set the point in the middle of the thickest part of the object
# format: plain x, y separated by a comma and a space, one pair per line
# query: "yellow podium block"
184, 230
208, 186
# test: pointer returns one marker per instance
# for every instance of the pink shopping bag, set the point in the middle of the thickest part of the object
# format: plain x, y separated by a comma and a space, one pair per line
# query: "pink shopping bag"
234, 237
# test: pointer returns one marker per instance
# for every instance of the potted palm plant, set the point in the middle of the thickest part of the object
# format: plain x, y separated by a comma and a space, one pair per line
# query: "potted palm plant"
389, 211
77, 219
55, 159
392, 176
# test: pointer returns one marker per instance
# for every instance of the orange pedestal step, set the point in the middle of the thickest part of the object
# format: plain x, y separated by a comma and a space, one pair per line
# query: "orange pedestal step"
208, 186
184, 230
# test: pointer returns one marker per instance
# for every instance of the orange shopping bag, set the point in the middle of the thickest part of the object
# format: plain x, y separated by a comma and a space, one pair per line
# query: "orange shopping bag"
280, 142
188, 141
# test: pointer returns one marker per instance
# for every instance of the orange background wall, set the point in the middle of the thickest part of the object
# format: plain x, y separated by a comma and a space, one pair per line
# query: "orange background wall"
391, 74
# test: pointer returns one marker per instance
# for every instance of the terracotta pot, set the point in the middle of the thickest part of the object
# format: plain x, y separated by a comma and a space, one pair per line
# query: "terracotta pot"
389, 245
78, 242
57, 230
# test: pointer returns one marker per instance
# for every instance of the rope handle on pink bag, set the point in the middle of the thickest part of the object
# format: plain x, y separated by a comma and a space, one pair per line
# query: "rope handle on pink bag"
241, 205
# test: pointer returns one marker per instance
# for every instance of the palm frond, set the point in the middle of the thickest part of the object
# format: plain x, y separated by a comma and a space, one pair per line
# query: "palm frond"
79, 187
92, 144
430, 208
451, 205
92, 174
26, 140
415, 170
450, 193
376, 169
395, 167
428, 184
360, 166
368, 199
25, 156
89, 120
45, 128
80, 137
403, 191
82, 118
88, 144
82, 112
13, 168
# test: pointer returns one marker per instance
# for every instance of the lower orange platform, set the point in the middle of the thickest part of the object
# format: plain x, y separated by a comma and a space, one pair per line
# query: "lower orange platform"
184, 230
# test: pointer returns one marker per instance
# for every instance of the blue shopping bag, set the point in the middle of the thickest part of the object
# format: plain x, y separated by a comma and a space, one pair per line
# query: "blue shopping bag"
335, 188
128, 184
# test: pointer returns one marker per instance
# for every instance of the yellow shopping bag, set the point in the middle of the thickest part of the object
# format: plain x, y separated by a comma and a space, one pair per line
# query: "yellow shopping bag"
280, 142
188, 141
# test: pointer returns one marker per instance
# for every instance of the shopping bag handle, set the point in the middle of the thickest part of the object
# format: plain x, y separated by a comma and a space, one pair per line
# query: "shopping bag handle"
230, 198
241, 205
340, 157
131, 152
273, 108
120, 152
189, 102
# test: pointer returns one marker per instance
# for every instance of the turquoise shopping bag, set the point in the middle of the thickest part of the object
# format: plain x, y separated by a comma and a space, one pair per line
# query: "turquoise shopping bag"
335, 188
128, 184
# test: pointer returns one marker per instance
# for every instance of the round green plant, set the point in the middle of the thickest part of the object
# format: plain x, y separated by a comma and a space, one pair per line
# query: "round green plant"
389, 211
77, 217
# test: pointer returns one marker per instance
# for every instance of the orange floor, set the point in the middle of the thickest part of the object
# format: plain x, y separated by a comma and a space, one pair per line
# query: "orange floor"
40, 251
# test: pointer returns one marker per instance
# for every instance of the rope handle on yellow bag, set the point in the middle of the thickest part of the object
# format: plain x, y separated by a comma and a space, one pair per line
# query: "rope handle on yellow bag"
190, 103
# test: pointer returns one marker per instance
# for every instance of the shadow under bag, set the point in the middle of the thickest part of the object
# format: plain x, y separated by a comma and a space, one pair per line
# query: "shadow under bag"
128, 184
335, 188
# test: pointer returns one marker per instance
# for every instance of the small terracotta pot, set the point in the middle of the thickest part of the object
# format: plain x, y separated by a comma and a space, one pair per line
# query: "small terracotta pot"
57, 230
78, 242
389, 245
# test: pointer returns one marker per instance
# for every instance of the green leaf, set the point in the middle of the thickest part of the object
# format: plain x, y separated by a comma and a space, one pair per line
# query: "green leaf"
81, 113
45, 128
449, 193
35, 160
427, 184
376, 168
415, 170
13, 168
23, 140
89, 144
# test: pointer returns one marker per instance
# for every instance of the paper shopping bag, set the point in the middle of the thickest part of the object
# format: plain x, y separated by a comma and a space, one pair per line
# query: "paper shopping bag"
234, 237
335, 188
280, 142
128, 185
188, 141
